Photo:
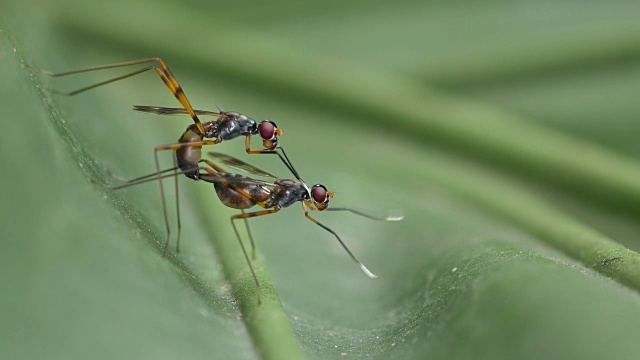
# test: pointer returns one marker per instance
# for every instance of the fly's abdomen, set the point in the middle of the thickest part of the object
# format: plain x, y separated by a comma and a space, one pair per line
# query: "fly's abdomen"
188, 158
230, 197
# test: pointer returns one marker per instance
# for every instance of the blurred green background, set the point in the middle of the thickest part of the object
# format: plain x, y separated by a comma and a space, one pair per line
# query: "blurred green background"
506, 131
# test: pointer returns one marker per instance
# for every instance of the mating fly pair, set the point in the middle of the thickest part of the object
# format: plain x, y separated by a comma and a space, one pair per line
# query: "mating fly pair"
233, 190
188, 149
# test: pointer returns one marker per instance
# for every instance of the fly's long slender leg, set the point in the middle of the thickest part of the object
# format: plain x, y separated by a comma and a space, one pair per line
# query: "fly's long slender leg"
165, 74
244, 251
284, 159
368, 216
288, 161
147, 178
164, 206
218, 169
364, 268
253, 244
138, 179
175, 172
93, 86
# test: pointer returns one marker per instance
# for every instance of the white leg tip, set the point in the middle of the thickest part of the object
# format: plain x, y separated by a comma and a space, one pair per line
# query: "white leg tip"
395, 215
366, 271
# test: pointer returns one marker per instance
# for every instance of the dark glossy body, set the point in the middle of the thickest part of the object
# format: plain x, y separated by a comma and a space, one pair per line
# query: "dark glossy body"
283, 194
231, 198
229, 125
287, 193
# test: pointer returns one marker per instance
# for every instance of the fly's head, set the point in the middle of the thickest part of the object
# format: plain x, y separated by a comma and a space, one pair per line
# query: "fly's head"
269, 133
319, 197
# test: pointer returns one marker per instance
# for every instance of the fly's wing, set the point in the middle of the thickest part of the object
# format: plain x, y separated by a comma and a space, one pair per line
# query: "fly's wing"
158, 110
239, 164
234, 180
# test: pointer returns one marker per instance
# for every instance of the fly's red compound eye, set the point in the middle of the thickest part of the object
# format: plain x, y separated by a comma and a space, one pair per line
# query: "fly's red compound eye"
267, 129
319, 193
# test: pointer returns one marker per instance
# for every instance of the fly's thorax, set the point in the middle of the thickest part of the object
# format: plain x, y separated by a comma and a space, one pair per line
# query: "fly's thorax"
289, 192
232, 125
210, 129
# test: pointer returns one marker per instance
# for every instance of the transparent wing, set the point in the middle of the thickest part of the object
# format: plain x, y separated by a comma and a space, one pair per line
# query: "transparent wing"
235, 181
159, 110
239, 164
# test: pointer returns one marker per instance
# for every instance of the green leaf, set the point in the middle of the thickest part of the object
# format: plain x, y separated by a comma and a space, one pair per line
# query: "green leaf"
512, 245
